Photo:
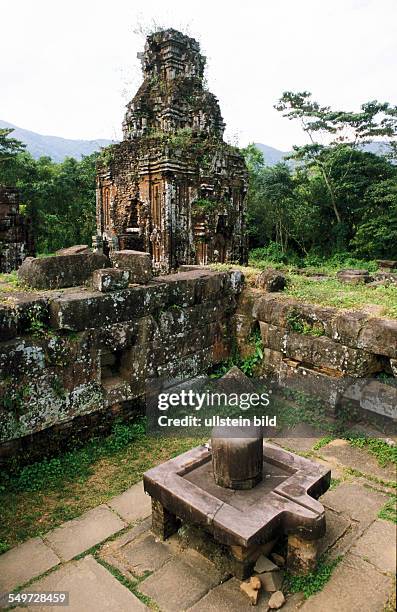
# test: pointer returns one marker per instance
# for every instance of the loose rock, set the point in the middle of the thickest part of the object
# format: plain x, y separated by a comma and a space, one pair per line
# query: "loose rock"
276, 600
264, 564
271, 280
278, 559
251, 589
272, 581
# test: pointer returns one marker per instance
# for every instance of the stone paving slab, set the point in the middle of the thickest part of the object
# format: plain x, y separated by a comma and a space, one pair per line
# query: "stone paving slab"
227, 597
91, 589
300, 437
132, 505
355, 586
146, 555
336, 469
74, 537
337, 526
356, 501
357, 458
24, 562
378, 545
181, 582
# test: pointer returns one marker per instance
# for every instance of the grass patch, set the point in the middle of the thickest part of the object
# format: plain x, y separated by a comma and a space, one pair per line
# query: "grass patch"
331, 292
313, 582
323, 442
389, 511
385, 453
41, 496
327, 292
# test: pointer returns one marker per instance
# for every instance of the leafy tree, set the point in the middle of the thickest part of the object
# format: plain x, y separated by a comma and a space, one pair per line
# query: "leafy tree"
9, 149
340, 130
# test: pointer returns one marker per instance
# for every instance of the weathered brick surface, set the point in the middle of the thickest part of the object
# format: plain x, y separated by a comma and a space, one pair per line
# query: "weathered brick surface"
82, 351
61, 270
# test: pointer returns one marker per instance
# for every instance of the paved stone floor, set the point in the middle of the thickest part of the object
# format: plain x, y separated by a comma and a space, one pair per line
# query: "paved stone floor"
108, 559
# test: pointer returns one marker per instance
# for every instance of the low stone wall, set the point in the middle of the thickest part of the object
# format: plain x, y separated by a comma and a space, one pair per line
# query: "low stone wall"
330, 353
77, 352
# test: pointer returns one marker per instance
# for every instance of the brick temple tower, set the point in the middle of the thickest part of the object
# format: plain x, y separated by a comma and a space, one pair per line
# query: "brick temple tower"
16, 241
173, 187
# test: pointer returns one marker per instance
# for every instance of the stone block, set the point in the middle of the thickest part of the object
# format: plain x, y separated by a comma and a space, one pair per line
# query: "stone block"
132, 505
146, 554
110, 279
355, 585
378, 545
349, 456
379, 336
73, 250
138, 264
24, 562
343, 499
228, 596
74, 537
90, 587
271, 280
181, 582
272, 581
353, 277
60, 271
386, 265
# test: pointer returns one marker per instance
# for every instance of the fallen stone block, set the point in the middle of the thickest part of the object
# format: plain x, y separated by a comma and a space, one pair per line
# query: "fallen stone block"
271, 280
60, 271
354, 277
110, 279
276, 601
264, 564
137, 263
272, 581
386, 265
73, 250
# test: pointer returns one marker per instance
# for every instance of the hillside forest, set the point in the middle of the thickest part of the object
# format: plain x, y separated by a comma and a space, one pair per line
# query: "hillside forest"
329, 200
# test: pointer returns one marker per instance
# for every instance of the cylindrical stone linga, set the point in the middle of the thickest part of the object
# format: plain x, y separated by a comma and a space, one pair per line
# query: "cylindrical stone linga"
237, 462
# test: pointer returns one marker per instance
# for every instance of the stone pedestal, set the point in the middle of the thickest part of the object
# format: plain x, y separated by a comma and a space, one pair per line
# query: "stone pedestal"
302, 555
164, 523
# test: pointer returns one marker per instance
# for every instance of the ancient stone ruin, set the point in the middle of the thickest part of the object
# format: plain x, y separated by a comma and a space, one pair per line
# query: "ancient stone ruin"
173, 187
15, 235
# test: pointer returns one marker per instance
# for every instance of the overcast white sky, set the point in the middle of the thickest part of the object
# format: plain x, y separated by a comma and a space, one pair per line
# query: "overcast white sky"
68, 67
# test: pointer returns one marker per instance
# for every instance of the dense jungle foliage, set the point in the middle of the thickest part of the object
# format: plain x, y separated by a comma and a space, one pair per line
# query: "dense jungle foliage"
334, 200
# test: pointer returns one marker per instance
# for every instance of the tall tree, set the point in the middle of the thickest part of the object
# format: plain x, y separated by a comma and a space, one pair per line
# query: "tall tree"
330, 130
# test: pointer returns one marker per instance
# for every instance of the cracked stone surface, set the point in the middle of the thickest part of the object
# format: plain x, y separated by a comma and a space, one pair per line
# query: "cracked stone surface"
132, 505
344, 499
76, 536
91, 588
355, 586
179, 584
24, 562
378, 545
356, 458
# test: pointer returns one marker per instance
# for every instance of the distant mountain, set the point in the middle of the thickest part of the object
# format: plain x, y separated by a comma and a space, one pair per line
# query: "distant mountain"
53, 146
272, 156
58, 148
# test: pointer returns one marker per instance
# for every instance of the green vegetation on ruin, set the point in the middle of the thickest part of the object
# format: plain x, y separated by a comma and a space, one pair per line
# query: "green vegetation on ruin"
315, 581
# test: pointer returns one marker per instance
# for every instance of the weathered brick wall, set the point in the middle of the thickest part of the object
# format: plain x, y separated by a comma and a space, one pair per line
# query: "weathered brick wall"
16, 241
340, 356
77, 352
